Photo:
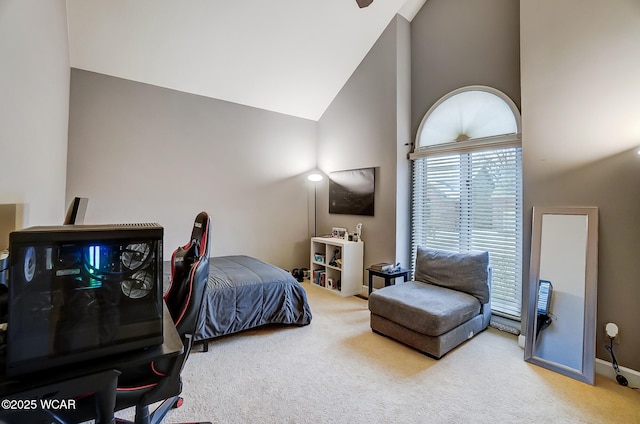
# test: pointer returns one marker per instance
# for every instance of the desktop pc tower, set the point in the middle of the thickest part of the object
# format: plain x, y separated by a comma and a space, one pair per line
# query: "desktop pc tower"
81, 292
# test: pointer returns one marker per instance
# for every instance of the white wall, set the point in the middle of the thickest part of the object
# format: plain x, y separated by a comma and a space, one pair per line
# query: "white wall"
581, 130
34, 96
287, 56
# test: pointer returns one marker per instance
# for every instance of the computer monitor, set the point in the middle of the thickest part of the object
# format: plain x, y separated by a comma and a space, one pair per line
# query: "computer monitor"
76, 211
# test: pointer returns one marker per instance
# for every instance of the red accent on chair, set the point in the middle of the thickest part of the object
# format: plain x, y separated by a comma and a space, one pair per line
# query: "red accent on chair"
158, 380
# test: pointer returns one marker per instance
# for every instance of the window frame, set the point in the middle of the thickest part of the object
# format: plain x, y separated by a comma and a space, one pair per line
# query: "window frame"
468, 147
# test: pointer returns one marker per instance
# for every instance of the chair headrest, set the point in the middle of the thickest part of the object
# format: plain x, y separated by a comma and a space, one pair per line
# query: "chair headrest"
200, 232
189, 276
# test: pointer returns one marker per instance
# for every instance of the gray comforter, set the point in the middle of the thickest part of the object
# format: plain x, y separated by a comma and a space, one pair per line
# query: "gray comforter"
244, 292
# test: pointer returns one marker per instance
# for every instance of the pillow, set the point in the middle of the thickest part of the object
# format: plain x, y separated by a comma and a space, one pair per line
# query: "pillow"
466, 272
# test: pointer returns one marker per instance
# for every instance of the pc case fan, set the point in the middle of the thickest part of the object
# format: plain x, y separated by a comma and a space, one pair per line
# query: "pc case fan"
139, 285
135, 255
29, 264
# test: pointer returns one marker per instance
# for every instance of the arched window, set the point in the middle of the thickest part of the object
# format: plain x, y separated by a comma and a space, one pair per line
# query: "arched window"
467, 185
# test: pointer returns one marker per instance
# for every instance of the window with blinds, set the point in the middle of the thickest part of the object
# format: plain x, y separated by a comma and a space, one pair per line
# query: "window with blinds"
467, 185
472, 201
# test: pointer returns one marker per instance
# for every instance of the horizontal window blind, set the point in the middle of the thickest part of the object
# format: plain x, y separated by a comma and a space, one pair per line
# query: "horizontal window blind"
472, 201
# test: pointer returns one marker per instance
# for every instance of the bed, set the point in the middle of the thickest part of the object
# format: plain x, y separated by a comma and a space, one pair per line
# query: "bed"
243, 292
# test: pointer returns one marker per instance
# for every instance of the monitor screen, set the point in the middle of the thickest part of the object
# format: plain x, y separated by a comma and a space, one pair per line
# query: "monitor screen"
76, 211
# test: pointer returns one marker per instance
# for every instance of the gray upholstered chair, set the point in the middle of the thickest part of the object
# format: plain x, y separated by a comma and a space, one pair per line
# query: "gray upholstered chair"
447, 303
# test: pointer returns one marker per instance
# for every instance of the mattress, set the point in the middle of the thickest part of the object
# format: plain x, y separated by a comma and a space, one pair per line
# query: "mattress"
243, 292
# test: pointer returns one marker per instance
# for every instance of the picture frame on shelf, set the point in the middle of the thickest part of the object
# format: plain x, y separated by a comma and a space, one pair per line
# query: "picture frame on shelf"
338, 232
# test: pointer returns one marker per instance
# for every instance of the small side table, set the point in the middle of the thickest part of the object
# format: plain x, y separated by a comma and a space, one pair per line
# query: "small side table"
389, 277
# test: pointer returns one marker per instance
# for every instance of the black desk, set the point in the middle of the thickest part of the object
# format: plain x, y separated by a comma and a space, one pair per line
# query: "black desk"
388, 276
99, 376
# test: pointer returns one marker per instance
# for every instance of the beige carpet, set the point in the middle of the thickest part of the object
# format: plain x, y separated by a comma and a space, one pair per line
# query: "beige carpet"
337, 371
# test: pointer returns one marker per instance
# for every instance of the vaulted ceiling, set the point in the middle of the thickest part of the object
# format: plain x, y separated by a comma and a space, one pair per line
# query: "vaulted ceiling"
287, 56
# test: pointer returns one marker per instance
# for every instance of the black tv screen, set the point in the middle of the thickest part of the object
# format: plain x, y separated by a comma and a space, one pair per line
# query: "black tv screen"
351, 192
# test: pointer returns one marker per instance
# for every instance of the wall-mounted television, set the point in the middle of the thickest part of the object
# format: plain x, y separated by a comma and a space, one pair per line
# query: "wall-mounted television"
351, 192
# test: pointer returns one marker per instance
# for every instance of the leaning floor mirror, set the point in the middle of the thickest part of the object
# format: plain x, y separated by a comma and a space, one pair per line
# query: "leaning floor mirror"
561, 322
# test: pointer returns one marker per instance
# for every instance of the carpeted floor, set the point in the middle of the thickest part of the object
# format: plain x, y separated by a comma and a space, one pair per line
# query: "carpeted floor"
336, 370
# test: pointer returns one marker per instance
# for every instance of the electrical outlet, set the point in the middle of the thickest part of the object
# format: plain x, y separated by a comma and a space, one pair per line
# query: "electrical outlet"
610, 329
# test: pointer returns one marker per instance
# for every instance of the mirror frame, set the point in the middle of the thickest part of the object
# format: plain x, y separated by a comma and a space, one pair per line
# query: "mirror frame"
587, 373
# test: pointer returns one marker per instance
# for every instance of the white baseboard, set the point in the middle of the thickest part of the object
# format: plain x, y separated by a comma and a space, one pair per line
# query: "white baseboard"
605, 368
365, 291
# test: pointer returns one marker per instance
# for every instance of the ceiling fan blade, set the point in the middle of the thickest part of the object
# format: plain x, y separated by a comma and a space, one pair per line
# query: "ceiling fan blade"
364, 3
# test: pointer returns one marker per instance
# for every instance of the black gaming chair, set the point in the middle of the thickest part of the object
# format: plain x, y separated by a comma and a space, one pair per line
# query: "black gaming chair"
143, 386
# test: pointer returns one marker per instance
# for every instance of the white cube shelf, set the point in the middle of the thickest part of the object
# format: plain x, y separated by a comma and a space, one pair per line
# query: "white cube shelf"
336, 265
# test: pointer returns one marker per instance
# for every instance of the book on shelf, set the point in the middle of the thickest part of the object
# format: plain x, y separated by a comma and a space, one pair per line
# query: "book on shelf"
319, 277
382, 267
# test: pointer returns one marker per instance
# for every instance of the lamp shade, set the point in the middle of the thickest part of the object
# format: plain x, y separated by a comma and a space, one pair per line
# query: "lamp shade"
315, 177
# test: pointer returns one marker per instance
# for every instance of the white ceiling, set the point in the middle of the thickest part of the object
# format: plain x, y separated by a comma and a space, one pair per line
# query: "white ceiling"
287, 56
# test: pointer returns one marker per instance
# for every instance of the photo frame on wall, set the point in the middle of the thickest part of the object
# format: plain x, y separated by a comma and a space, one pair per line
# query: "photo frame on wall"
352, 192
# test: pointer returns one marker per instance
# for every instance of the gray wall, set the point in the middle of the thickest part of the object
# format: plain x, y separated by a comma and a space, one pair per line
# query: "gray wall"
581, 132
34, 96
456, 43
367, 125
147, 154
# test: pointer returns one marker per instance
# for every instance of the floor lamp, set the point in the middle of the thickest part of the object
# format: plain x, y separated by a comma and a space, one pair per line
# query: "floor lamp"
315, 178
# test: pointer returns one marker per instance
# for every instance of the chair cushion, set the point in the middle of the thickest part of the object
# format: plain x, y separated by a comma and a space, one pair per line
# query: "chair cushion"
424, 308
467, 272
